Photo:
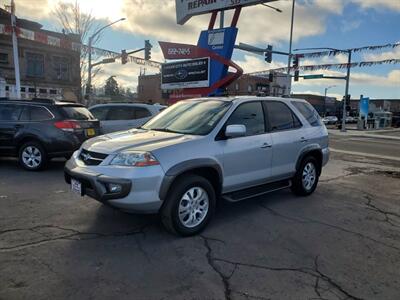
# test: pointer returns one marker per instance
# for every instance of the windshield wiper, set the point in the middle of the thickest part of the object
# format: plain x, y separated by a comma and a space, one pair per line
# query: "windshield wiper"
165, 130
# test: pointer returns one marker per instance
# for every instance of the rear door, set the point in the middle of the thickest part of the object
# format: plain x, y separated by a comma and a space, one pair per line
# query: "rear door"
247, 159
100, 113
9, 127
287, 137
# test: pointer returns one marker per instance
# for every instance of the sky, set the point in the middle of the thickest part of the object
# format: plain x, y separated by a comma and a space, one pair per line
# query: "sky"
339, 24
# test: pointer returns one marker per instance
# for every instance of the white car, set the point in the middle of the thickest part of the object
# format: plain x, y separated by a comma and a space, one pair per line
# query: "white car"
330, 120
124, 116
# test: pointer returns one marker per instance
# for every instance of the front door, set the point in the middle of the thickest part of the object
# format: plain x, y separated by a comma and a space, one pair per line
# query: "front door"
247, 160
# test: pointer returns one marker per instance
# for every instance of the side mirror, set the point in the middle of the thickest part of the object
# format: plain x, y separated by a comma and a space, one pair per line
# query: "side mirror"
233, 131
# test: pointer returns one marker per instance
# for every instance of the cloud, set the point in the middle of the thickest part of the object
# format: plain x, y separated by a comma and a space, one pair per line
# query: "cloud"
347, 26
379, 4
395, 53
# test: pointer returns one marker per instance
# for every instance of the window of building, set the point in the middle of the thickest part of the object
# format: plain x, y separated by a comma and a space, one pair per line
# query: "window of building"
308, 112
42, 91
251, 115
23, 89
32, 90
61, 68
35, 65
4, 58
53, 92
281, 117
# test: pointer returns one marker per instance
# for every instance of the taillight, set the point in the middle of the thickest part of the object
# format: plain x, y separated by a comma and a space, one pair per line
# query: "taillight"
67, 125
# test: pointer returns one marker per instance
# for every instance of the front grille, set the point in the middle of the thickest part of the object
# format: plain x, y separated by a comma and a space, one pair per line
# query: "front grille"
91, 158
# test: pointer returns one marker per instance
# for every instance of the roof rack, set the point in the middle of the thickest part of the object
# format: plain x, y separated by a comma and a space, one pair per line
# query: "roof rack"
43, 100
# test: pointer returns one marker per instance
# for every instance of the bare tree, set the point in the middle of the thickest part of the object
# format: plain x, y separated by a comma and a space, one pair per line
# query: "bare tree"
73, 20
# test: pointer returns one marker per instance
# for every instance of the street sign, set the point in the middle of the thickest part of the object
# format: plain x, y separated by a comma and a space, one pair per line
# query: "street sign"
185, 74
316, 76
185, 9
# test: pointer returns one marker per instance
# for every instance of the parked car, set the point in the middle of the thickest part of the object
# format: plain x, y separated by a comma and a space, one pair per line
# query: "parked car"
350, 120
124, 116
184, 160
38, 130
330, 120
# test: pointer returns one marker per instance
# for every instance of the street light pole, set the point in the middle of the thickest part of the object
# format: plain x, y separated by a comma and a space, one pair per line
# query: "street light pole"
15, 51
347, 78
326, 90
289, 79
346, 92
91, 38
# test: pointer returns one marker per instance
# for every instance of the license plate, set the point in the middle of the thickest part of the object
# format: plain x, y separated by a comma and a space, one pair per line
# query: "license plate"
76, 187
90, 132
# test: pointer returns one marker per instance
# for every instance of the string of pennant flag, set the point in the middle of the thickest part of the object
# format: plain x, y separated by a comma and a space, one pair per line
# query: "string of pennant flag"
331, 66
355, 50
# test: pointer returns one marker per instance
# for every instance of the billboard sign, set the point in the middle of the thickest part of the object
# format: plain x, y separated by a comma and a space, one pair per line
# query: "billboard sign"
193, 73
185, 9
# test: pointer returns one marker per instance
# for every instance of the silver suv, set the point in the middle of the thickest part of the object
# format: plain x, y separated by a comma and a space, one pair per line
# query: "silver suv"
199, 151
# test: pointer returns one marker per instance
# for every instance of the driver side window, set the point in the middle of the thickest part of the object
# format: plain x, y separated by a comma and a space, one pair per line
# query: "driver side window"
251, 115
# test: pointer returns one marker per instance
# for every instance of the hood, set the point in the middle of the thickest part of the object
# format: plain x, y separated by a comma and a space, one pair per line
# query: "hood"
136, 139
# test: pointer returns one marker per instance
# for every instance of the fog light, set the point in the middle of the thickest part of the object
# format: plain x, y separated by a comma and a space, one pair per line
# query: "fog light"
114, 188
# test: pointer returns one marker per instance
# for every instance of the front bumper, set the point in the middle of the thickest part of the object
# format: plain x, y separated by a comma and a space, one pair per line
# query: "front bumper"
139, 186
325, 156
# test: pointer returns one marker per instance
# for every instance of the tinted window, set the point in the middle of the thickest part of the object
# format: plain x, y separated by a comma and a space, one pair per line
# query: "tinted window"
251, 115
308, 112
281, 117
141, 112
100, 113
35, 113
10, 112
121, 113
77, 113
35, 65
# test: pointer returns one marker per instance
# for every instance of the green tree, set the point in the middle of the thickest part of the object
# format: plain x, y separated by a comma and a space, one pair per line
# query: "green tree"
111, 87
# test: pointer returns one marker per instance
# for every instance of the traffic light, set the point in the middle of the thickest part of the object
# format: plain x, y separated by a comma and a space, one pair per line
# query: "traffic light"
296, 67
271, 77
147, 50
268, 54
124, 57
348, 106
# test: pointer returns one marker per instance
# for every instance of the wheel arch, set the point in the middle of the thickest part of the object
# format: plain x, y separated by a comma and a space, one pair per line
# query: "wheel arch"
315, 152
207, 168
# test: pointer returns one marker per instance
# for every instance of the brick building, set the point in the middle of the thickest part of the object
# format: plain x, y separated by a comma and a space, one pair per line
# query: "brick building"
149, 87
325, 106
49, 61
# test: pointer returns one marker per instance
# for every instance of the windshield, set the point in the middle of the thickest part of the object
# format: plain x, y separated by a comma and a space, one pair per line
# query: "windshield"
189, 117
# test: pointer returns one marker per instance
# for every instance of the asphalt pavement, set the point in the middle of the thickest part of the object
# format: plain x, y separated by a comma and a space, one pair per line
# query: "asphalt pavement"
342, 242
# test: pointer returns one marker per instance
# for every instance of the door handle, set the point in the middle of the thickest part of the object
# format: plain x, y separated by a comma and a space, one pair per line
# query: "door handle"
266, 145
303, 139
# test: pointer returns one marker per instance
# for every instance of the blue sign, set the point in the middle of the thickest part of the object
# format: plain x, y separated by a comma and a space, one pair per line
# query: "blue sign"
222, 42
364, 106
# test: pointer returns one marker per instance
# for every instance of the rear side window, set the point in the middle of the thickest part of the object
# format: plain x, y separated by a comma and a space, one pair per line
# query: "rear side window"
10, 112
100, 113
308, 112
141, 112
77, 113
251, 115
35, 113
121, 113
281, 117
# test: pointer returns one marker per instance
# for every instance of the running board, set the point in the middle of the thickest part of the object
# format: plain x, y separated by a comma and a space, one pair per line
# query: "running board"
257, 191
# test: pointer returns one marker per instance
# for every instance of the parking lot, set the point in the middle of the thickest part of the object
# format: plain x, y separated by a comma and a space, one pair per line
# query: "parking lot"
340, 243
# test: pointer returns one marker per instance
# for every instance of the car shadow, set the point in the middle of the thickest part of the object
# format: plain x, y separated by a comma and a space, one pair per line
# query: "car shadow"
12, 164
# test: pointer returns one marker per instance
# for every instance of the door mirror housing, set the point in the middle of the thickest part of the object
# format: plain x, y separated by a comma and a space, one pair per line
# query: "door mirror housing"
233, 131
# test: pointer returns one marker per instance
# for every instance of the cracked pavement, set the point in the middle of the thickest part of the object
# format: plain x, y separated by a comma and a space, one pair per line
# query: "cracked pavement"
343, 242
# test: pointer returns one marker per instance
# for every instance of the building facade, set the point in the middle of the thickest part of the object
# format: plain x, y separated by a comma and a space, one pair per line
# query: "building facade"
49, 62
149, 87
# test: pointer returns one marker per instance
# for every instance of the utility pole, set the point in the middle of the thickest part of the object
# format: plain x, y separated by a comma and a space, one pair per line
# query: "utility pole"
15, 51
289, 79
343, 129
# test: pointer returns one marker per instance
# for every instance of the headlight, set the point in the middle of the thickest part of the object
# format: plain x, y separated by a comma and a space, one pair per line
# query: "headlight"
134, 159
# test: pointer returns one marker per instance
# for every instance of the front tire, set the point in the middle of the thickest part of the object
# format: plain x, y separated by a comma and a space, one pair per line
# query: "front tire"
189, 206
32, 156
305, 181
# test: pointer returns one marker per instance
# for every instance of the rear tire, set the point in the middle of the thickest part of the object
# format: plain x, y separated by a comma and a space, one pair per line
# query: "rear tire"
305, 181
32, 156
189, 206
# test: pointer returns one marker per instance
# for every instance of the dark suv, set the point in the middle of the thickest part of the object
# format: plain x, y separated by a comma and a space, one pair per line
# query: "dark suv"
40, 129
